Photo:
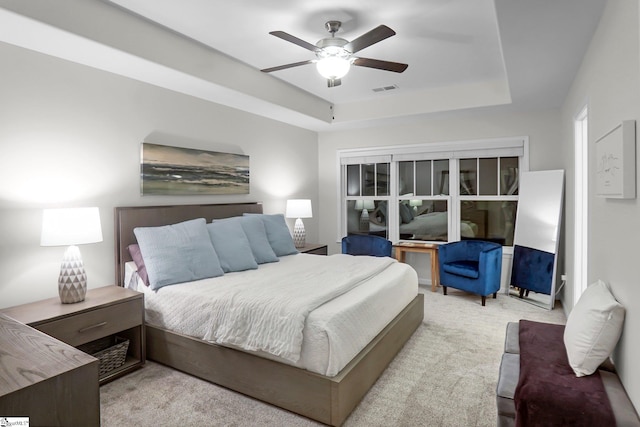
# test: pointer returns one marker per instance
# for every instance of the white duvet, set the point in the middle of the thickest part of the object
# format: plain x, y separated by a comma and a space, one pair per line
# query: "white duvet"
257, 317
332, 334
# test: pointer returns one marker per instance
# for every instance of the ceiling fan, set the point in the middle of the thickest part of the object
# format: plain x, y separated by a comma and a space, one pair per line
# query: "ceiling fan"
334, 55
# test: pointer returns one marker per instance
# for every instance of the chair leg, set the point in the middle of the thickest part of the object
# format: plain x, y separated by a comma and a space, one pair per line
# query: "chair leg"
484, 300
495, 295
444, 290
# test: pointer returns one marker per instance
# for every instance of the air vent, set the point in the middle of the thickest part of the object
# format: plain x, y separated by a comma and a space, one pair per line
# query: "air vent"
385, 88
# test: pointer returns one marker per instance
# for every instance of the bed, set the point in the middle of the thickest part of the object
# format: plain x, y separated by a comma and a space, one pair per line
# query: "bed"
294, 386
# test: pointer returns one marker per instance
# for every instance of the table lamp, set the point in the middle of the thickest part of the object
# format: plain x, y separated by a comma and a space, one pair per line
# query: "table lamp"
298, 208
71, 227
364, 206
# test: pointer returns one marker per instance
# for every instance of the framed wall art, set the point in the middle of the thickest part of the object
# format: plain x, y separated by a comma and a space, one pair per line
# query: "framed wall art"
166, 170
616, 162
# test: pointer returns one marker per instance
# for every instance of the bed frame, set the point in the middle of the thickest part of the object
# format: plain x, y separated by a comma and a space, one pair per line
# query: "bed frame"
329, 400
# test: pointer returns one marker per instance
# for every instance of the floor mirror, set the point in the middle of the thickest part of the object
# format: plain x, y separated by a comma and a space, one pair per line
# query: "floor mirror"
535, 241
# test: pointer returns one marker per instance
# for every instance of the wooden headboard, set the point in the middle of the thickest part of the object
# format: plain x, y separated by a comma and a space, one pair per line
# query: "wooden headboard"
129, 217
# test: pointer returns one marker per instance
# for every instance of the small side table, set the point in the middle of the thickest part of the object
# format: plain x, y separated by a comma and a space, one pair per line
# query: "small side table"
314, 249
105, 312
429, 248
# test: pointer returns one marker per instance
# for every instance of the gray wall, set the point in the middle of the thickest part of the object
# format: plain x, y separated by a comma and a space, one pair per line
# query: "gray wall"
609, 81
70, 136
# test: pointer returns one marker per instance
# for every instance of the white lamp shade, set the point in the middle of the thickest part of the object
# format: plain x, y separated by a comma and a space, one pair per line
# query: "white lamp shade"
73, 226
365, 204
333, 67
415, 202
298, 208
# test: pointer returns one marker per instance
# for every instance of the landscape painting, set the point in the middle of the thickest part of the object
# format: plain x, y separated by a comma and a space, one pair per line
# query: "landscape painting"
166, 170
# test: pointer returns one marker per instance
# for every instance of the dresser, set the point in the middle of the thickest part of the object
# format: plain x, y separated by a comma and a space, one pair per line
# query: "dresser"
46, 380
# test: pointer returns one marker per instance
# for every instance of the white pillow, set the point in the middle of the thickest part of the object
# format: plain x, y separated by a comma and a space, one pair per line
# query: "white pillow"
593, 329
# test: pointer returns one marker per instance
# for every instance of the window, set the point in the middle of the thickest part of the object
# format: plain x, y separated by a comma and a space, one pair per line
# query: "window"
433, 192
366, 212
488, 198
423, 199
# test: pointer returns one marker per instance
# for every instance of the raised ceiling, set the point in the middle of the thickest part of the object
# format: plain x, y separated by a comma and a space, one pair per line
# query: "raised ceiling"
461, 53
444, 42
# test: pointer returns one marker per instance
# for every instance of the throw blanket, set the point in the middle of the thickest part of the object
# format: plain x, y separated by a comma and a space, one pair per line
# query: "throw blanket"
271, 318
548, 392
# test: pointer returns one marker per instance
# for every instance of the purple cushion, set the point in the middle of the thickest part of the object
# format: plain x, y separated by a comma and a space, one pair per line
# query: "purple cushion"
136, 255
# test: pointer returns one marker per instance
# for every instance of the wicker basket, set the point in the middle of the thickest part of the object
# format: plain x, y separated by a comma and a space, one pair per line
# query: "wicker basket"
110, 351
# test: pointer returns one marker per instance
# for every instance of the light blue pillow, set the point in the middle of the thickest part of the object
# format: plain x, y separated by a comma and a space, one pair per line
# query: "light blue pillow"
232, 245
405, 213
278, 234
178, 253
253, 227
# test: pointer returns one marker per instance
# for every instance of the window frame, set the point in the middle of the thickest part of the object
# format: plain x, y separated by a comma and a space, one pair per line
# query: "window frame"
453, 151
581, 202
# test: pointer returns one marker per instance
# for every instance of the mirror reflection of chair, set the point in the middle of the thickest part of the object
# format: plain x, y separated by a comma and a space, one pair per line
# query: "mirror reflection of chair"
471, 265
366, 244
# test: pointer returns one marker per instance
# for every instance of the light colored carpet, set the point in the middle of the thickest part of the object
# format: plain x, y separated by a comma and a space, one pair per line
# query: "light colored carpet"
444, 376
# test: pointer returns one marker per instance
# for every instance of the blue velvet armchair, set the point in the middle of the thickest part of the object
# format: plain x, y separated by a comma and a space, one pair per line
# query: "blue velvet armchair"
366, 244
472, 266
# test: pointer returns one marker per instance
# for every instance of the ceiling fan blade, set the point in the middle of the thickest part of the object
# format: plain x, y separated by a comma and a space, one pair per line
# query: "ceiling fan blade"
284, 67
293, 39
396, 67
367, 39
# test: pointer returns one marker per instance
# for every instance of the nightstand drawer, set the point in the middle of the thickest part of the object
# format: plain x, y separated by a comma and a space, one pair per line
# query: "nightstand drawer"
84, 327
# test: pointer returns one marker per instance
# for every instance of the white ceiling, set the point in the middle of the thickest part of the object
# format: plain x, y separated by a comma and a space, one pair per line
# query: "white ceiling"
531, 49
444, 42
461, 53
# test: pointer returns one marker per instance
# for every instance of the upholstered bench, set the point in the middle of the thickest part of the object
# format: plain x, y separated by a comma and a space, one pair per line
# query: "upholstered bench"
623, 410
562, 374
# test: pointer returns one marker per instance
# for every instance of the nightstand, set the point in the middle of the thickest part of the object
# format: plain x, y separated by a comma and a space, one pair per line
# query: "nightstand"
314, 249
106, 312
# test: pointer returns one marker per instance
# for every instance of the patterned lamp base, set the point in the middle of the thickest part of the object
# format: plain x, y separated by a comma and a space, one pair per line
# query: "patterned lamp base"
364, 220
72, 283
299, 234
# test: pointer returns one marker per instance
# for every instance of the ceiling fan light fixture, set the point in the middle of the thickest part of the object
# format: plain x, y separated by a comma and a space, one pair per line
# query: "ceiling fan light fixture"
334, 55
333, 67
333, 61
